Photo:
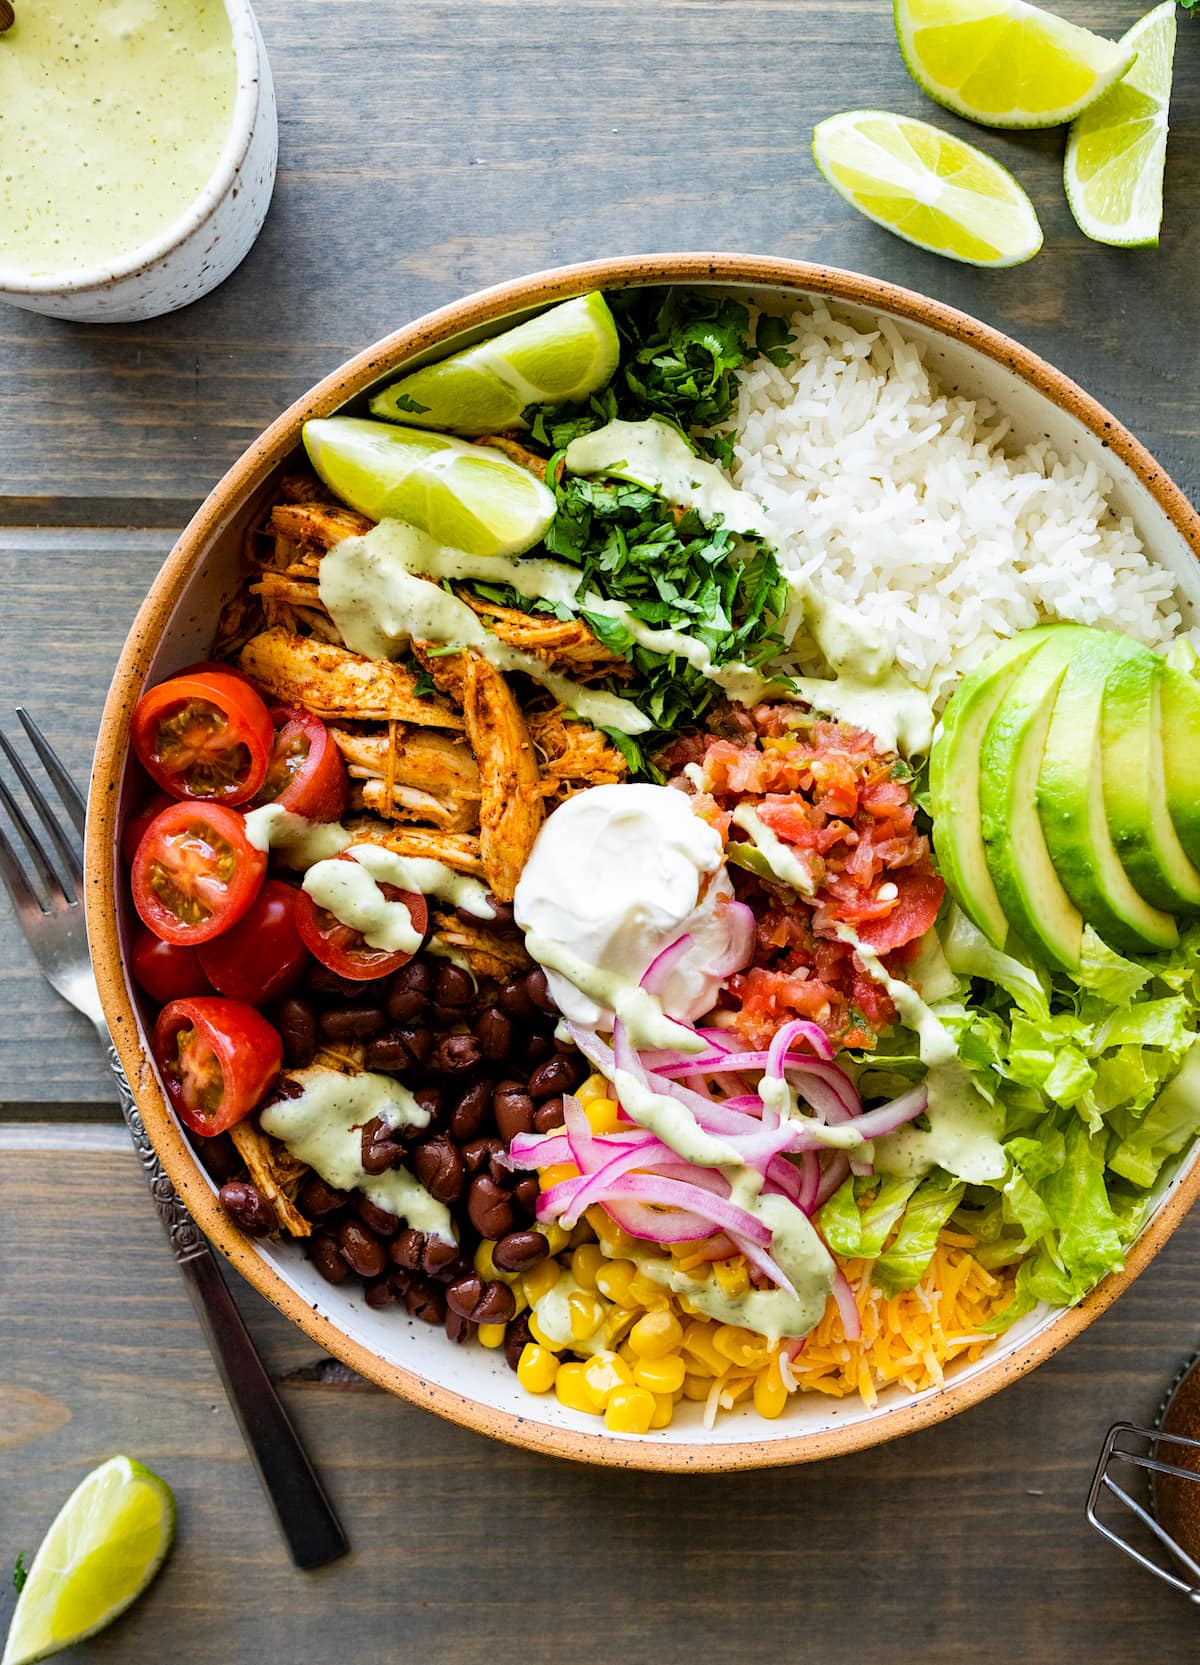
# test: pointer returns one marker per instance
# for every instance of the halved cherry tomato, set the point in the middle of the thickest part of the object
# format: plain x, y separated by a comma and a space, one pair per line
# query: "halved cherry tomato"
306, 773
137, 825
195, 873
166, 970
217, 1058
917, 903
262, 956
206, 735
345, 950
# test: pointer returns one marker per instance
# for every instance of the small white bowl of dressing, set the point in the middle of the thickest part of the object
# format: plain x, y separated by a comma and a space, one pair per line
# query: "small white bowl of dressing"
138, 144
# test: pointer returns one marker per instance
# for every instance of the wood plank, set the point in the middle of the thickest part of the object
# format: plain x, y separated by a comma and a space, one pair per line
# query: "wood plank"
496, 139
970, 1536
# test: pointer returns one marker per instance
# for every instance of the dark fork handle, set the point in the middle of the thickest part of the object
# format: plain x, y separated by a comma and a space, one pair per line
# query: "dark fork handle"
313, 1532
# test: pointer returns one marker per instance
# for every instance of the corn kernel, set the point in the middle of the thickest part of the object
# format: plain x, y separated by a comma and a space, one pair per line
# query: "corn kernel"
626, 1352
602, 1114
660, 1375
741, 1347
701, 1355
556, 1173
605, 1371
617, 1244
656, 1333
732, 1276
573, 1390
594, 1087
587, 1313
664, 1410
539, 1335
536, 1368
484, 1264
770, 1395
630, 1410
581, 1233
556, 1236
644, 1292
586, 1261
491, 1335
617, 1321
697, 1387
614, 1280
540, 1280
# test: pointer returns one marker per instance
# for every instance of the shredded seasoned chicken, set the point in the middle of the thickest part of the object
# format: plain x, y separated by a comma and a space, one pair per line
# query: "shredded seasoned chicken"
487, 952
566, 645
414, 774
457, 850
510, 810
332, 682
276, 1173
572, 754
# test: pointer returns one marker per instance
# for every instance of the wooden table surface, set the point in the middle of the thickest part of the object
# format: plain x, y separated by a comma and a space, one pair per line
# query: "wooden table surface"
428, 148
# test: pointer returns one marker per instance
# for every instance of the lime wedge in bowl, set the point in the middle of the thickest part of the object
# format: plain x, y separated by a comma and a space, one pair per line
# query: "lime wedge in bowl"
471, 497
557, 358
1005, 63
928, 187
1117, 148
107, 1542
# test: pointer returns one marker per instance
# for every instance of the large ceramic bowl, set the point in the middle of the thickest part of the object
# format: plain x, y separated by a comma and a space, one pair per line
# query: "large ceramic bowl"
470, 1385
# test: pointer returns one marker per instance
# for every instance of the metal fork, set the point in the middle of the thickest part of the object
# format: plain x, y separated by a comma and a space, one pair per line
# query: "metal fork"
55, 930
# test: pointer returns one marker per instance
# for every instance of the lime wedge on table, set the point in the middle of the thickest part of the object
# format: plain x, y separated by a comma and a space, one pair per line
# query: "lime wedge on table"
928, 187
1005, 63
109, 1539
1117, 148
468, 496
558, 358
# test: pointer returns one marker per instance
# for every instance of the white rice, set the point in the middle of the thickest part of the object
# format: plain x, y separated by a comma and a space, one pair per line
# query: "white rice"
900, 500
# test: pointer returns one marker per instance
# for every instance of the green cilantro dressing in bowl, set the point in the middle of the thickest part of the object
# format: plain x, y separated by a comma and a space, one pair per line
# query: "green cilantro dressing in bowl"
113, 117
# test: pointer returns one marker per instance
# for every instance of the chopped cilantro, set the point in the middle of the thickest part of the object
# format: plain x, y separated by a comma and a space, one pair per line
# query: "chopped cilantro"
20, 1572
772, 339
402, 401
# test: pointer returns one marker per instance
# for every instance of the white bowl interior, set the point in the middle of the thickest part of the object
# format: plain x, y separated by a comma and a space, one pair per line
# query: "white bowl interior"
472, 1372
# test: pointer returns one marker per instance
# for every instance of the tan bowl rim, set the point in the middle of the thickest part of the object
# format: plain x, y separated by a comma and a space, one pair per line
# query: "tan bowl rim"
749, 271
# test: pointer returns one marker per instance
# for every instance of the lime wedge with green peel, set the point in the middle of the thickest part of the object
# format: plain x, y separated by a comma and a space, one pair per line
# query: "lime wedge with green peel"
558, 358
110, 1538
470, 497
928, 187
1005, 63
1118, 146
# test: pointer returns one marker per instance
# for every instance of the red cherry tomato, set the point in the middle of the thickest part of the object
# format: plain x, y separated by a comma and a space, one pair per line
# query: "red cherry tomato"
920, 897
262, 956
217, 1058
166, 970
345, 950
306, 773
137, 825
195, 873
206, 735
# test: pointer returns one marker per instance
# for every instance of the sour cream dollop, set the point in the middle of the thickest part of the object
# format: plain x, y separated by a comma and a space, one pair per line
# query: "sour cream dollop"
617, 874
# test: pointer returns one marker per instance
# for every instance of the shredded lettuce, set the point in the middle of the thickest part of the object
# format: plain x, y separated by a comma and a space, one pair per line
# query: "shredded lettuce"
903, 1262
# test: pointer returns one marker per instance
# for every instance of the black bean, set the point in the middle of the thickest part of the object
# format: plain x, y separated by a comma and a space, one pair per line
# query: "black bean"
377, 1219
525, 1193
361, 1249
387, 1052
297, 1024
218, 1156
520, 1250
415, 975
549, 1115
557, 1075
539, 991
249, 1210
379, 1294
439, 1168
455, 1055
418, 1038
424, 1300
537, 1049
380, 1149
488, 1208
405, 1249
430, 1099
513, 1109
516, 1338
453, 986
483, 1303
470, 1111
494, 1032
458, 1328
326, 982
351, 1023
502, 921
514, 999
323, 1252
479, 1155
403, 1005
438, 1257
316, 1199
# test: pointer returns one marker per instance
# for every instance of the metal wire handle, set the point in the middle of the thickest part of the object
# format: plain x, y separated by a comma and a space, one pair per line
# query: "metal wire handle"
1114, 1454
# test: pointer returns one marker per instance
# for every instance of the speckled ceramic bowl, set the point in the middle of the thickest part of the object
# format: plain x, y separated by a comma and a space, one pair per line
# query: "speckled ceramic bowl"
470, 1385
203, 245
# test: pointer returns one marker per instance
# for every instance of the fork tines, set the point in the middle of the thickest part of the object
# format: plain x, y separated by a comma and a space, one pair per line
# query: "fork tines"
59, 886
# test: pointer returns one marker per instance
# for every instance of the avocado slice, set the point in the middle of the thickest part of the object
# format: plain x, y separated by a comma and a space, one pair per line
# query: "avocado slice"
1071, 802
1028, 887
1180, 694
1135, 791
954, 781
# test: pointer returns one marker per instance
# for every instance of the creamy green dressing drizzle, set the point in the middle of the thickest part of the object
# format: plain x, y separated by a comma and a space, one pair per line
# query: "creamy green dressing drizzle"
868, 689
323, 1127
781, 1097
963, 1136
656, 455
552, 1312
378, 603
783, 862
348, 890
640, 1012
935, 1040
297, 841
429, 877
